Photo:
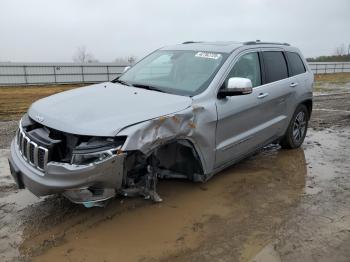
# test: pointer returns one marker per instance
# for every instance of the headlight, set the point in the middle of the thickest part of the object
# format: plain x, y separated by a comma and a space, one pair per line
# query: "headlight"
96, 150
85, 159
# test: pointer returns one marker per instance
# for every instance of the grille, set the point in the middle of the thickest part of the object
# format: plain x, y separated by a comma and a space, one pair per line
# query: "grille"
34, 154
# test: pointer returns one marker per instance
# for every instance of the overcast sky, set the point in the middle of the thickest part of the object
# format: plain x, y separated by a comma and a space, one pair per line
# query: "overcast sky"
51, 30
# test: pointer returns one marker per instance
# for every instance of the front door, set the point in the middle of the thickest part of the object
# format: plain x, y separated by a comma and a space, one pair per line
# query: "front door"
249, 121
239, 120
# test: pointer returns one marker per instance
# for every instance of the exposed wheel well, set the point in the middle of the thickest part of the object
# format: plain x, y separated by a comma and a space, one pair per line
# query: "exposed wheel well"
180, 157
177, 158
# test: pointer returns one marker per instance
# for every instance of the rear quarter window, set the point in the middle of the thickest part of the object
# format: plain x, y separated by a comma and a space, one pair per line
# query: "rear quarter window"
275, 66
296, 64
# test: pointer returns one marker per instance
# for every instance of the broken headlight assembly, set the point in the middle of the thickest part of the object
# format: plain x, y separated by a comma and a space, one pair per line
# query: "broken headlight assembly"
89, 158
96, 150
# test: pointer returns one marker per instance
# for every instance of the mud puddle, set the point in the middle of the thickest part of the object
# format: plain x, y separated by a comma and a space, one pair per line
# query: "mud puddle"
280, 205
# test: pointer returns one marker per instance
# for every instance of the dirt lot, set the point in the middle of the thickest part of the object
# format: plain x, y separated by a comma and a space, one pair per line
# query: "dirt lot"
280, 205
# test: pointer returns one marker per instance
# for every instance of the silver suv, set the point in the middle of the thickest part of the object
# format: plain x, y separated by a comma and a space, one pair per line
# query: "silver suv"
185, 111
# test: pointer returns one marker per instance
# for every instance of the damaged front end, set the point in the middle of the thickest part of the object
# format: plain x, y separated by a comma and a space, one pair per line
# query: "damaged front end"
87, 170
173, 160
90, 170
163, 148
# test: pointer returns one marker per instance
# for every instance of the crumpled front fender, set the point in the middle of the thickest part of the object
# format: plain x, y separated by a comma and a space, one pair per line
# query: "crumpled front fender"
196, 124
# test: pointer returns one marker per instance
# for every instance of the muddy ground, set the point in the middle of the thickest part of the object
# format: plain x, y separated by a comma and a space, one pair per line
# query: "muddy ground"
279, 205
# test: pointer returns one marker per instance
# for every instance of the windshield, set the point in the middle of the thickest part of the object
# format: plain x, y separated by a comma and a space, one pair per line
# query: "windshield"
177, 71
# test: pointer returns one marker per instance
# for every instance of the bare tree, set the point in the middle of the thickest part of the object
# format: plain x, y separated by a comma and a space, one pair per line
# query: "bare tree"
340, 50
83, 56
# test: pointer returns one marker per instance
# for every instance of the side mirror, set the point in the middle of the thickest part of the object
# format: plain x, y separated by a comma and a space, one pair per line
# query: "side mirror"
236, 86
126, 68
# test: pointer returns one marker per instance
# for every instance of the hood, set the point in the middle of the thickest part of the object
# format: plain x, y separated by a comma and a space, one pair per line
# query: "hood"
104, 109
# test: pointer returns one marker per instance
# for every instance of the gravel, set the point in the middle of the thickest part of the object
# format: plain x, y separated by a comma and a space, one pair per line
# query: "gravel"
7, 132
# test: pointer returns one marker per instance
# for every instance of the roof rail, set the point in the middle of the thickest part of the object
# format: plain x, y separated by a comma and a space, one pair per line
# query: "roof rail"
258, 42
190, 42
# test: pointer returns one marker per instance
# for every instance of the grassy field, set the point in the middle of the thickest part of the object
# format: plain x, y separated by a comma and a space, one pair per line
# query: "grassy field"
14, 101
332, 82
338, 78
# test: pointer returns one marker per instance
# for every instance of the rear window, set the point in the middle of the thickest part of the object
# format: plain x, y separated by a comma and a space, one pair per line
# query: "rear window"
296, 64
275, 66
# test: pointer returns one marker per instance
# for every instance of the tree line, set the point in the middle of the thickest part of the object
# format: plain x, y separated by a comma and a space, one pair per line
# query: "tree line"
341, 54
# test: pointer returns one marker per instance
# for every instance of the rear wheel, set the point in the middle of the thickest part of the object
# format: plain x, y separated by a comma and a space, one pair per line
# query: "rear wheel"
297, 128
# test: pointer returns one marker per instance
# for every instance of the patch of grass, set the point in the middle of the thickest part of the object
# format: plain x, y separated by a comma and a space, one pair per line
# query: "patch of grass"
15, 100
340, 78
332, 82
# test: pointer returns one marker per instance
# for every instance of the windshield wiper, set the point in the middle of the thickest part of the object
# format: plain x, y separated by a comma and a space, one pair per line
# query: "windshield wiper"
138, 85
148, 87
122, 82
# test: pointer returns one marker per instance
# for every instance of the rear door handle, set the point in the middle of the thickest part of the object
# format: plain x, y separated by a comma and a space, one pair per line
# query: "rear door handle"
293, 84
262, 95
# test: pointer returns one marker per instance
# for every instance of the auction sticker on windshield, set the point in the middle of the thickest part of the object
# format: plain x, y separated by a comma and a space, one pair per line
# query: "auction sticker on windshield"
208, 55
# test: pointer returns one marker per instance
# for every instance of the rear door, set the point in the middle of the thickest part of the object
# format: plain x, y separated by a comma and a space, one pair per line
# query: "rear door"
278, 92
298, 79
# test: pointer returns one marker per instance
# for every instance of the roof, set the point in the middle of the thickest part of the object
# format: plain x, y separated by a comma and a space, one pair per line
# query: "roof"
220, 46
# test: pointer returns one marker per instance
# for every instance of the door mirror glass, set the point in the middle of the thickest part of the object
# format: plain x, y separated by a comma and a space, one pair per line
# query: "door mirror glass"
236, 86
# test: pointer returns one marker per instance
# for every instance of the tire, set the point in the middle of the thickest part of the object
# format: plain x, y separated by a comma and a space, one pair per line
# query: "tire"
296, 132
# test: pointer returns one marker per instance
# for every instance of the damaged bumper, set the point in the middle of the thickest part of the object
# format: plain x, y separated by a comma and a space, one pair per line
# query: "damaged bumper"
80, 183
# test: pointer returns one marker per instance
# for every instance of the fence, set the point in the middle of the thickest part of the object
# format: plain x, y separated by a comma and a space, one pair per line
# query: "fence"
70, 73
329, 67
57, 73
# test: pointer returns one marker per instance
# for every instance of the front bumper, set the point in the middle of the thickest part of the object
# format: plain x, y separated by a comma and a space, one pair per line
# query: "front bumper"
63, 177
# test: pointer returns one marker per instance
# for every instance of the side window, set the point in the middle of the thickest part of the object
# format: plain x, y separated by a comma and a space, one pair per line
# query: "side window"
275, 66
247, 66
296, 64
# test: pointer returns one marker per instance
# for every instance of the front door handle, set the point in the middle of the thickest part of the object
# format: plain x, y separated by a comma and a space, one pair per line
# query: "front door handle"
262, 95
293, 84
